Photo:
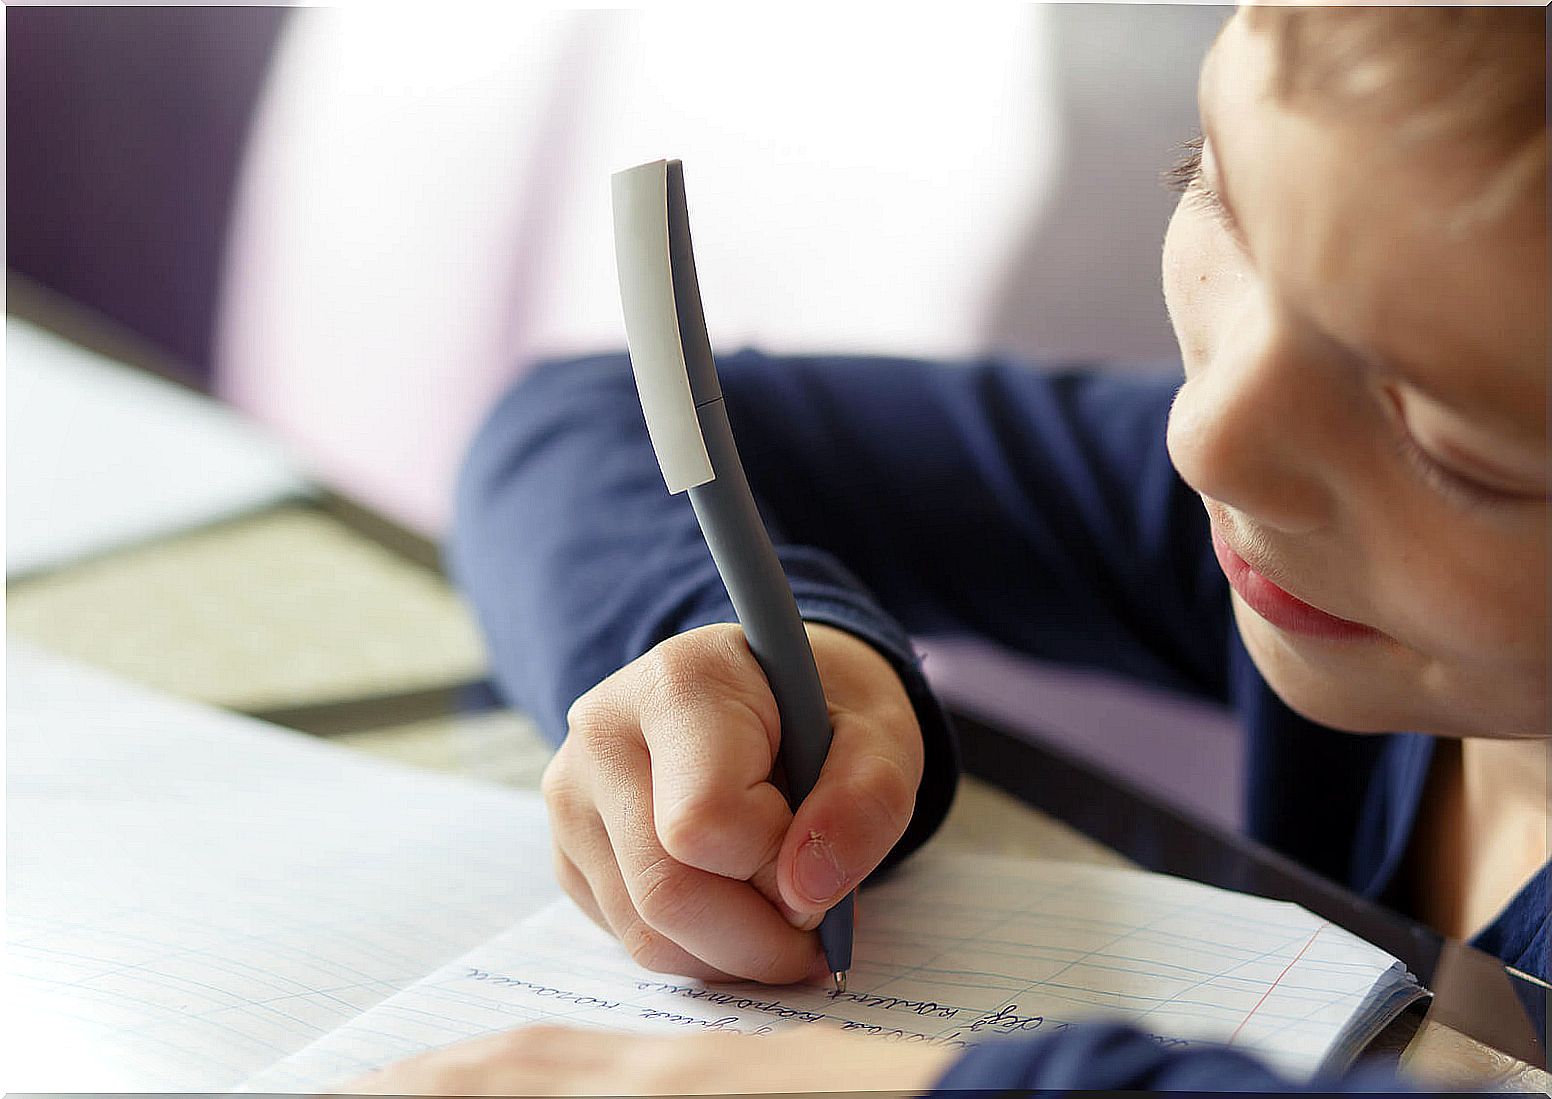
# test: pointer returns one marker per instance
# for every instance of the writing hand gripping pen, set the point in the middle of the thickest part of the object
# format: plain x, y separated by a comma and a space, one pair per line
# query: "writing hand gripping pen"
676, 378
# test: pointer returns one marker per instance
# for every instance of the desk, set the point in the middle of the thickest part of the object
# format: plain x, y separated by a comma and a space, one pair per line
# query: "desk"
300, 612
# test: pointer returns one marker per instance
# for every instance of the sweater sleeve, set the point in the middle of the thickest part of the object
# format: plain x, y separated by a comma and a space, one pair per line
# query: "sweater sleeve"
1111, 1057
1037, 508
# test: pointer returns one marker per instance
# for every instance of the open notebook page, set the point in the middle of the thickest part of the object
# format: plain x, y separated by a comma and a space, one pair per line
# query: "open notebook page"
954, 949
193, 895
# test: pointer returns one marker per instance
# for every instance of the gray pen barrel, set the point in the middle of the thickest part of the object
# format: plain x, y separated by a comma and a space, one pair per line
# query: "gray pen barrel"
766, 610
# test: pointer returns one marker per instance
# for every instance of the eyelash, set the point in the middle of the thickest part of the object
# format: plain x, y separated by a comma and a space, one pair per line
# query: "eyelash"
1185, 178
1186, 172
1462, 490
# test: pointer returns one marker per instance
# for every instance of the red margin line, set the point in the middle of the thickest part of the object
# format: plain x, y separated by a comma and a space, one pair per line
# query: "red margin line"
1275, 983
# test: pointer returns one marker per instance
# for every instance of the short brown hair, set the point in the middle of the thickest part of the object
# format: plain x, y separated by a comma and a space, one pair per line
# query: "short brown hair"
1469, 77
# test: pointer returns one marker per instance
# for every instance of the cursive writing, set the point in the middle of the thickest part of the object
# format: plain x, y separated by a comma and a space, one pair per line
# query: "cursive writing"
1007, 1020
731, 999
896, 1003
544, 991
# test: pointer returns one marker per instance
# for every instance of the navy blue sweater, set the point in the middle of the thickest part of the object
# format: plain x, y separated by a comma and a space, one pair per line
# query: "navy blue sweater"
1035, 508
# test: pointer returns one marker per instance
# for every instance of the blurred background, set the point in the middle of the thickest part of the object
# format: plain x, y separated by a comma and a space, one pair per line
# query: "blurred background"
327, 216
268, 267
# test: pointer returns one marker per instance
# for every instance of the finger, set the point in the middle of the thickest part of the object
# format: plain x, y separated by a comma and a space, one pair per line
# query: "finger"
723, 922
764, 882
571, 810
855, 814
589, 849
586, 862
528, 1061
574, 882
711, 728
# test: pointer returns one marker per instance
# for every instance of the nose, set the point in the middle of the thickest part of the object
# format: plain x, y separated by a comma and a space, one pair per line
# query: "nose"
1255, 427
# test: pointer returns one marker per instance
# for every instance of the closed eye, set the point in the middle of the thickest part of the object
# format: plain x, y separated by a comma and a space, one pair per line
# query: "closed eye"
1186, 178
1444, 479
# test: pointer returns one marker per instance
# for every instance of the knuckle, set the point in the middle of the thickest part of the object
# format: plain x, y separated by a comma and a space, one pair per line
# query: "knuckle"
585, 706
883, 790
648, 948
586, 723
675, 676
697, 826
707, 675
666, 894
682, 668
562, 798
600, 737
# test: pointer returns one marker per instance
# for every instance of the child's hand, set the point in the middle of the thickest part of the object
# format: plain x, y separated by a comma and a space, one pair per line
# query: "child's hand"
668, 832
554, 1060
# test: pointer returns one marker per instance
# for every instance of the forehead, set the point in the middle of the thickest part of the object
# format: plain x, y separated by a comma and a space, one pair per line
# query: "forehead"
1361, 234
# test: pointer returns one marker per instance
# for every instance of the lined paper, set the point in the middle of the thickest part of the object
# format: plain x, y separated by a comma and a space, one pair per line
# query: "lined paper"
198, 902
952, 951
194, 895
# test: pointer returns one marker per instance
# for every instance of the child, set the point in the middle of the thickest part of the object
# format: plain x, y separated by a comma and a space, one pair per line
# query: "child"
1357, 278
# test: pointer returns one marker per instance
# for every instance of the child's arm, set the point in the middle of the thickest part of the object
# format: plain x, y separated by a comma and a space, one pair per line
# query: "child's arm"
1105, 1057
1113, 1057
1037, 510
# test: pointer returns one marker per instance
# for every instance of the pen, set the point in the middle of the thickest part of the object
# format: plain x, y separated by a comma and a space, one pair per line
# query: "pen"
681, 399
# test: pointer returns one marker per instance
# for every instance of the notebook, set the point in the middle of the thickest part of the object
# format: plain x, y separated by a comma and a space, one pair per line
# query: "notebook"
953, 951
220, 905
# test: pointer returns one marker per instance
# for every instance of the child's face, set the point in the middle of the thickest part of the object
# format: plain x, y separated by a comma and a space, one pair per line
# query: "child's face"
1364, 413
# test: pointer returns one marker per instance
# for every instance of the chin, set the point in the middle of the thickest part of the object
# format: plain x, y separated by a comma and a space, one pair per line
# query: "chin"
1332, 684
1383, 687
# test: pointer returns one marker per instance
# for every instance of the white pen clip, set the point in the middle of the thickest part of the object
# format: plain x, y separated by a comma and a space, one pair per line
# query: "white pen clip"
642, 255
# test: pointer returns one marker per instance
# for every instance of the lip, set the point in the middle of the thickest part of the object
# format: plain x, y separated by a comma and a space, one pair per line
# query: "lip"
1285, 611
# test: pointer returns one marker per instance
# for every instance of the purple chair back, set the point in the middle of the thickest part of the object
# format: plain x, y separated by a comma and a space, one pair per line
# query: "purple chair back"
124, 129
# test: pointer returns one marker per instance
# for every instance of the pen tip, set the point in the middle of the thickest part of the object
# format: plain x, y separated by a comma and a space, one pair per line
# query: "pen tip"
840, 981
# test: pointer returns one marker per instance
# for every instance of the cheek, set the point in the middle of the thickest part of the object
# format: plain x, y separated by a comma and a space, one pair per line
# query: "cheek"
1207, 283
1482, 594
1174, 264
1488, 653
1188, 270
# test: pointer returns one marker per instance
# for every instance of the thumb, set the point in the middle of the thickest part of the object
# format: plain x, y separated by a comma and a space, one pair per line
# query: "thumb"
855, 814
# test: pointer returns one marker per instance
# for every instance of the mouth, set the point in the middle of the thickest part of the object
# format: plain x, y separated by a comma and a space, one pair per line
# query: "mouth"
1280, 608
